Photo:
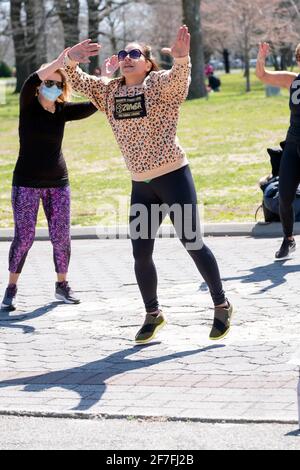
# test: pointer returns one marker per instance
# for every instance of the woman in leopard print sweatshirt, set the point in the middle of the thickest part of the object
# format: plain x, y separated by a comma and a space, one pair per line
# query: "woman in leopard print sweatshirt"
143, 109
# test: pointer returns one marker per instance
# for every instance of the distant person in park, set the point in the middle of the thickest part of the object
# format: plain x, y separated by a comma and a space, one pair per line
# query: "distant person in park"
142, 107
214, 82
208, 70
41, 174
289, 176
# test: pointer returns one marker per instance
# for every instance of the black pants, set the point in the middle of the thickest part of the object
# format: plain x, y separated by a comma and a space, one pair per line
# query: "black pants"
289, 179
174, 194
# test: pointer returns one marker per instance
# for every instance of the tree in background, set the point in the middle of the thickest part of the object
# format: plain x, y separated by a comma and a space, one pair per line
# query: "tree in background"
5, 70
192, 18
247, 23
27, 19
93, 29
39, 29
18, 34
106, 18
98, 10
242, 25
282, 32
68, 12
218, 35
164, 13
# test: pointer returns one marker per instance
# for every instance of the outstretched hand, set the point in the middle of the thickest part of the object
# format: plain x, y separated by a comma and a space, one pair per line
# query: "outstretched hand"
264, 50
61, 57
110, 66
82, 51
182, 44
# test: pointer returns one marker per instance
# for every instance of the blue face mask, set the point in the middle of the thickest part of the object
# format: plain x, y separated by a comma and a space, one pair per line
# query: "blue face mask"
51, 94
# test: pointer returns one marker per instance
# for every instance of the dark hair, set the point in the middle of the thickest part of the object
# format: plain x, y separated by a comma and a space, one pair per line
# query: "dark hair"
147, 52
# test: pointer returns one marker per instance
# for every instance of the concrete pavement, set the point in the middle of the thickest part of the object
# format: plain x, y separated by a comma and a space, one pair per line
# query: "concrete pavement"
243, 229
132, 435
62, 360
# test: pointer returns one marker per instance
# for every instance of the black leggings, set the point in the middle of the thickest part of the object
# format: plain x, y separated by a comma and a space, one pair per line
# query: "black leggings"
289, 179
175, 194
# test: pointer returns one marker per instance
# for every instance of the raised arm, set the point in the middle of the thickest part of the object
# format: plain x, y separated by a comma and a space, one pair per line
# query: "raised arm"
28, 91
280, 79
110, 66
51, 68
175, 82
92, 87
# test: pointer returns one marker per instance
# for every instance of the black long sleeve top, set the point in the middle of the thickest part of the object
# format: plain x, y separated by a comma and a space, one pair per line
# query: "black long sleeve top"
41, 163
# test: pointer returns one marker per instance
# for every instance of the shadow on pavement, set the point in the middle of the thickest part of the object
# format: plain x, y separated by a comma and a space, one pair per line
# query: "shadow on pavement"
293, 433
96, 373
8, 319
274, 272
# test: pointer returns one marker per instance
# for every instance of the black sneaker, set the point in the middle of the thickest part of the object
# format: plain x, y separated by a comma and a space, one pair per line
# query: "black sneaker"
287, 247
150, 328
9, 301
222, 322
64, 292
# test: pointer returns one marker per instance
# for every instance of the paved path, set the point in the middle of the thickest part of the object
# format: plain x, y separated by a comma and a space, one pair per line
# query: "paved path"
123, 434
81, 359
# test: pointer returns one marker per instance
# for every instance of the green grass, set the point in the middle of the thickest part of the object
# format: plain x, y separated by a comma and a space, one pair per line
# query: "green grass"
225, 138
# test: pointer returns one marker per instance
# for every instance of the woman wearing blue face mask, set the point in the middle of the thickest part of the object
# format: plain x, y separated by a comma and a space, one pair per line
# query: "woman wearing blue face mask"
41, 173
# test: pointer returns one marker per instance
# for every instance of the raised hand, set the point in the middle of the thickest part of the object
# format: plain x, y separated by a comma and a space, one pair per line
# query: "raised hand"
264, 50
61, 57
182, 44
110, 66
82, 51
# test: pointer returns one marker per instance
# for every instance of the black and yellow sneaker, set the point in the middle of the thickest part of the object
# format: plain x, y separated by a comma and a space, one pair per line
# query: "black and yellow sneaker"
222, 322
150, 328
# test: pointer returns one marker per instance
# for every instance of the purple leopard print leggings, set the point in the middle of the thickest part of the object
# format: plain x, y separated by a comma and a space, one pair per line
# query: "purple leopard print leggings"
56, 203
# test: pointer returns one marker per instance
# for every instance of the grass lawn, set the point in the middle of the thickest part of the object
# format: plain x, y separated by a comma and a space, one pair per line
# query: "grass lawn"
225, 138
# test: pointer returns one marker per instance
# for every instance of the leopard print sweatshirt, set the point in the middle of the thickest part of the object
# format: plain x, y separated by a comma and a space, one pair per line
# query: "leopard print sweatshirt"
144, 118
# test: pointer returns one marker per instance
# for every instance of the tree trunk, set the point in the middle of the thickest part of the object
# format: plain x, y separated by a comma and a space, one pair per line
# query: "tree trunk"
40, 33
247, 71
226, 55
247, 74
30, 49
286, 59
192, 18
68, 12
36, 44
22, 69
247, 50
29, 37
93, 14
112, 34
275, 61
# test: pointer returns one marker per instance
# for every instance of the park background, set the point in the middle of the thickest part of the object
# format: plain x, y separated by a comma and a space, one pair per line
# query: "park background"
225, 134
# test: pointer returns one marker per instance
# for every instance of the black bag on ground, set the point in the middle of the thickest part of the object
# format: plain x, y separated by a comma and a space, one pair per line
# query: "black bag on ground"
271, 211
270, 189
